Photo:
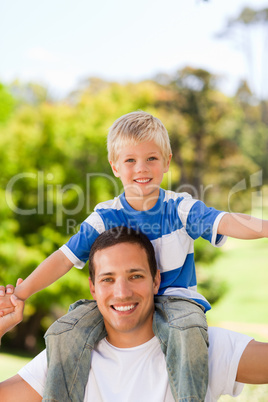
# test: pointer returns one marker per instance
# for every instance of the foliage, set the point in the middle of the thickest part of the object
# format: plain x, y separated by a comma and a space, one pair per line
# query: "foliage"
245, 30
54, 168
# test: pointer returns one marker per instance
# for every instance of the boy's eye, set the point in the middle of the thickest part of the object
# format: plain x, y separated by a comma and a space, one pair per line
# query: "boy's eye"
130, 160
152, 158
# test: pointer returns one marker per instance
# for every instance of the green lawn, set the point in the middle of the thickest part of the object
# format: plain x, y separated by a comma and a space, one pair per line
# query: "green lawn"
9, 365
244, 266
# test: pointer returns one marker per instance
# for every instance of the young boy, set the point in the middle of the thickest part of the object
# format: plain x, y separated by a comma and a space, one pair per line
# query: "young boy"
139, 153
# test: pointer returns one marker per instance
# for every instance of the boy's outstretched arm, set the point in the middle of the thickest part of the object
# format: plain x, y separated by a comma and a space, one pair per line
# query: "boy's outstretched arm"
51, 269
243, 226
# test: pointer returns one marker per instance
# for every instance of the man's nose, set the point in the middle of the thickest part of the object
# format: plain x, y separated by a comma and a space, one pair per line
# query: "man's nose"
122, 288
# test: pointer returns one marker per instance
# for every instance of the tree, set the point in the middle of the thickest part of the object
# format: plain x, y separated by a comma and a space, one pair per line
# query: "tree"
202, 123
54, 171
249, 30
7, 104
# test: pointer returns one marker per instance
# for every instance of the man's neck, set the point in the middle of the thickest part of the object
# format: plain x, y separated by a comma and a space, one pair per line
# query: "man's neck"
129, 339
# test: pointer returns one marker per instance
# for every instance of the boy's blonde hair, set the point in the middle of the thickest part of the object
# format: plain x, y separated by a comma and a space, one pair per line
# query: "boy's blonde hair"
136, 127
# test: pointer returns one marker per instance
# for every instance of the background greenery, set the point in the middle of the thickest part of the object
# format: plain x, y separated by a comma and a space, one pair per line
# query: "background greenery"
54, 171
53, 161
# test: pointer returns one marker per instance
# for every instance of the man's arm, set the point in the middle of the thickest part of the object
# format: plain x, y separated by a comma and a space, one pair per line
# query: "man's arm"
5, 294
243, 226
10, 320
253, 365
16, 389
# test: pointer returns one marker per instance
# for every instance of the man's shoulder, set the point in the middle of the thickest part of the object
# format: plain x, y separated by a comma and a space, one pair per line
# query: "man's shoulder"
82, 310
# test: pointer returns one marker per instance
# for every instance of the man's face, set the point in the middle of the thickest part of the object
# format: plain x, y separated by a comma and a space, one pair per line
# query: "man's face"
124, 290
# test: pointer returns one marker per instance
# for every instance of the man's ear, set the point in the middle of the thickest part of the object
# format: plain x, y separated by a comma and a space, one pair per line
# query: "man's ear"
168, 163
157, 281
114, 169
92, 288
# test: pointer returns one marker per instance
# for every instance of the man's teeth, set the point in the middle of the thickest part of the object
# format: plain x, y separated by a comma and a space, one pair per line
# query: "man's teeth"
124, 308
142, 180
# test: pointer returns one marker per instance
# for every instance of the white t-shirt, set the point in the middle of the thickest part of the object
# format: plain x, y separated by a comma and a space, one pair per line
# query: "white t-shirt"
139, 373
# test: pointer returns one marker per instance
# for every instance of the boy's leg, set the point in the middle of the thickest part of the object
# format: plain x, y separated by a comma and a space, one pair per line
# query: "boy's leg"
181, 327
253, 365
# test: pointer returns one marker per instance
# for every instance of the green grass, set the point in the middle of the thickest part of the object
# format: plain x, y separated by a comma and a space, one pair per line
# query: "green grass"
244, 307
243, 267
10, 364
250, 393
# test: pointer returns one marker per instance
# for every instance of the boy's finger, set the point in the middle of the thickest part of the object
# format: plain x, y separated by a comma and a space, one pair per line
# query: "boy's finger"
19, 281
2, 290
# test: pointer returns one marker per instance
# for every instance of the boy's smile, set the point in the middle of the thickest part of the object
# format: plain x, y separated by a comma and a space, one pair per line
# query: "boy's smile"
141, 168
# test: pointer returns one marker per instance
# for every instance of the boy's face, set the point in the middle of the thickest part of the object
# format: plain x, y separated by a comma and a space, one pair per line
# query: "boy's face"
124, 290
141, 168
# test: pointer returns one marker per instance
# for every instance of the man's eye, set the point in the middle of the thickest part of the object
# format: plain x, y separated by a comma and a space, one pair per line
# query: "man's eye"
107, 280
137, 276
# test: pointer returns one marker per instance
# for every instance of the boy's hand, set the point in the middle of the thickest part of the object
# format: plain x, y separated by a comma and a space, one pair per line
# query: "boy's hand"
12, 319
6, 305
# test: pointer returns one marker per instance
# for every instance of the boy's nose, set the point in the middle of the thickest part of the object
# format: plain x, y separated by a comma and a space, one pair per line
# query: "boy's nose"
141, 167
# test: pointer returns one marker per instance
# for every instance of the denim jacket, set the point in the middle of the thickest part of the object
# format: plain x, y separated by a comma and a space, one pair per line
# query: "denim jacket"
69, 342
71, 339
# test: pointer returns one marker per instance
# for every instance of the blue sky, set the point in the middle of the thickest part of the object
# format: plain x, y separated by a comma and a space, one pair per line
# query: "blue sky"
60, 42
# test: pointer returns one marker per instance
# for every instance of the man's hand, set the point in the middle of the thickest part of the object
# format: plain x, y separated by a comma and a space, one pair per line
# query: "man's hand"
9, 289
6, 306
10, 320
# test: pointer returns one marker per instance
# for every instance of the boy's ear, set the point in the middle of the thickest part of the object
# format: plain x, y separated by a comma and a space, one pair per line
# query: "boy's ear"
168, 163
114, 169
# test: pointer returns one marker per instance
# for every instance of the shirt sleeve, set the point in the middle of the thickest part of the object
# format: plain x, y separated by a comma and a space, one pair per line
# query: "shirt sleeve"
224, 353
78, 247
35, 372
201, 221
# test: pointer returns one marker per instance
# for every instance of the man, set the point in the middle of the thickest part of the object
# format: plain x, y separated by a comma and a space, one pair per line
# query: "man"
128, 363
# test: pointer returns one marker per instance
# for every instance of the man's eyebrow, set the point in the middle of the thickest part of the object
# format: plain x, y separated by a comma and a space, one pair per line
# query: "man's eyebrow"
129, 271
106, 274
136, 270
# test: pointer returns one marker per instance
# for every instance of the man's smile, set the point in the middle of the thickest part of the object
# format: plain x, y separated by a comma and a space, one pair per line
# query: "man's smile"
125, 308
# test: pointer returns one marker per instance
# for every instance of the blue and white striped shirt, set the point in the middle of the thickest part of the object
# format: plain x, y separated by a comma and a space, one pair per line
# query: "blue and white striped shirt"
172, 225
